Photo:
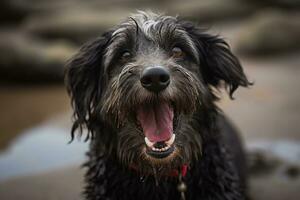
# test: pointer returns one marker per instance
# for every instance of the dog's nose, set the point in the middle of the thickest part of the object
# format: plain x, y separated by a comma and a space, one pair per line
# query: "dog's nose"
155, 79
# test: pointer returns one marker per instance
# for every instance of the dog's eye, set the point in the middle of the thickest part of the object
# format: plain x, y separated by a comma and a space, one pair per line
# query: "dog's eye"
126, 55
177, 53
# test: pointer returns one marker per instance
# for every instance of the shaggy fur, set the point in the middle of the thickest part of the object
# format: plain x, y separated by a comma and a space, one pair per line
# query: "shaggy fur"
103, 80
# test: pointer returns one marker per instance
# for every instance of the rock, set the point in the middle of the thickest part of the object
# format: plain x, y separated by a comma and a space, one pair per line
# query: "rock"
292, 171
12, 11
80, 23
213, 10
75, 25
262, 162
290, 4
285, 3
23, 58
270, 32
273, 174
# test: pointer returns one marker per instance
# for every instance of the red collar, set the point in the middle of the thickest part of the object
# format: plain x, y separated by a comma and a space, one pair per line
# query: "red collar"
173, 173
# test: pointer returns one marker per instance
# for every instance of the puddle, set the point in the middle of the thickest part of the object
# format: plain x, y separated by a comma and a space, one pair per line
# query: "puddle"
41, 149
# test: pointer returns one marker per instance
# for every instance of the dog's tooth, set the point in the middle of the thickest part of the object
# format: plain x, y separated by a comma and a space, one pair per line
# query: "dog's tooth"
154, 149
148, 142
171, 140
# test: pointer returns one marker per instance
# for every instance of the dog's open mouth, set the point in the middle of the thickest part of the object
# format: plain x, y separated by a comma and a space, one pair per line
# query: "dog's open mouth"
157, 123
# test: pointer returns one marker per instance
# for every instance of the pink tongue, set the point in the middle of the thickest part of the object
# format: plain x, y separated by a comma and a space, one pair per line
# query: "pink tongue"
157, 122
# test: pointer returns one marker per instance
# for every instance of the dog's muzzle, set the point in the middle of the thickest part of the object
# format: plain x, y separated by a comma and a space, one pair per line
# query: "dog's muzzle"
157, 119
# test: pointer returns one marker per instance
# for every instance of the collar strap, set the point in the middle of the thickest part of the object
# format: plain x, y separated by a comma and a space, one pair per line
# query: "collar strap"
173, 173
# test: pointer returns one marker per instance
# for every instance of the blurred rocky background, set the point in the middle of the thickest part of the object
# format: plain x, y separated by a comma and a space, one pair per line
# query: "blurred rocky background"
38, 36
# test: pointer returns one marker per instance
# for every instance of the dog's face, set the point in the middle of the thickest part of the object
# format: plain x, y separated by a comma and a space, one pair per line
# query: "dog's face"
148, 85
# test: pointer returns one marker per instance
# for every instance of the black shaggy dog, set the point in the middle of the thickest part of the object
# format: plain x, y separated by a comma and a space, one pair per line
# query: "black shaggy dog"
145, 92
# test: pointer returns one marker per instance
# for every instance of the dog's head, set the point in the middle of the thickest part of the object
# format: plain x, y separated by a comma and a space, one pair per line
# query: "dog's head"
143, 88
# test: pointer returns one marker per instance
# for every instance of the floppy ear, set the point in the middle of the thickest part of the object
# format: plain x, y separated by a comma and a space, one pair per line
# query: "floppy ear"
217, 61
84, 79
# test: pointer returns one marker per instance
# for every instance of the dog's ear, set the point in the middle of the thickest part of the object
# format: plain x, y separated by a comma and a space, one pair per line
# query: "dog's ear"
84, 78
218, 63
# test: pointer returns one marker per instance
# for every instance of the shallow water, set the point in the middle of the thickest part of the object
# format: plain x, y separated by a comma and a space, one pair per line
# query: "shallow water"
40, 149
284, 149
45, 147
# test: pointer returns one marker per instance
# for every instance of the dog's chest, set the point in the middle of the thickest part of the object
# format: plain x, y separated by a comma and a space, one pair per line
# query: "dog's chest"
135, 187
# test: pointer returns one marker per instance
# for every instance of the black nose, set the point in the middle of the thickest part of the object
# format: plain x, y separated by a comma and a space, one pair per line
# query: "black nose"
155, 79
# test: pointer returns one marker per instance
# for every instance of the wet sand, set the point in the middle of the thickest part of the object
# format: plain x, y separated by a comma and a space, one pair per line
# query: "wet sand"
270, 109
23, 107
62, 184
67, 184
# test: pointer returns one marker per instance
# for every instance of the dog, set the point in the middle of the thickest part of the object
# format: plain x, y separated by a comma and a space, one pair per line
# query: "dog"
145, 94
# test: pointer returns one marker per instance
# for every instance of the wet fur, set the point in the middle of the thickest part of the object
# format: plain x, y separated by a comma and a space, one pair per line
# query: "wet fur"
106, 93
